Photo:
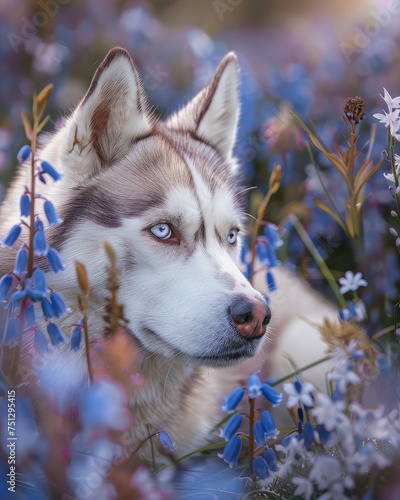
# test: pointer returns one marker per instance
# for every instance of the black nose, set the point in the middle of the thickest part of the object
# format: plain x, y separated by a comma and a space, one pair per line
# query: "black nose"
250, 317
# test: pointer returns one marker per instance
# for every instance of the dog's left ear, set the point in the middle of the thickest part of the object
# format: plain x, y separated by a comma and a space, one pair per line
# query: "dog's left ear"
111, 116
213, 114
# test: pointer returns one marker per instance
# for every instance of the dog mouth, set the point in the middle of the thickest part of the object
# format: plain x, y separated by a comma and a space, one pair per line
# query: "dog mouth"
226, 356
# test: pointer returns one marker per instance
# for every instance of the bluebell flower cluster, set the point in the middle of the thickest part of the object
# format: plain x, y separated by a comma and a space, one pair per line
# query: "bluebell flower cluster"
29, 290
264, 427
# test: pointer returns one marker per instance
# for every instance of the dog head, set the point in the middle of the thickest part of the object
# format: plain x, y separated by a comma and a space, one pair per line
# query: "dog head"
165, 195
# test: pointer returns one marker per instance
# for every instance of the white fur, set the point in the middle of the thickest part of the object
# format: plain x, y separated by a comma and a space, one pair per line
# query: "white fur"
176, 297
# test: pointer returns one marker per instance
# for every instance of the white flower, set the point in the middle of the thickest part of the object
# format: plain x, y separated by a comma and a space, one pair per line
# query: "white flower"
371, 423
390, 120
392, 102
328, 413
351, 281
344, 375
296, 455
304, 488
389, 176
298, 393
326, 470
367, 458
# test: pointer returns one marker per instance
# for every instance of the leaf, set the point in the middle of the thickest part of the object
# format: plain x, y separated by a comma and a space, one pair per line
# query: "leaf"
43, 123
82, 276
41, 100
110, 252
349, 220
328, 210
364, 174
27, 126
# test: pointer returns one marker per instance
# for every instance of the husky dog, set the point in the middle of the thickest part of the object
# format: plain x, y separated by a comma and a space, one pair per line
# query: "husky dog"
165, 195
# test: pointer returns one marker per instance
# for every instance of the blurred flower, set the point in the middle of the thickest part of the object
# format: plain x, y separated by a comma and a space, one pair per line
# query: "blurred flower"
298, 393
146, 486
282, 133
50, 170
305, 487
13, 330
105, 404
40, 343
308, 433
259, 433
351, 281
58, 305
344, 375
390, 120
328, 413
166, 441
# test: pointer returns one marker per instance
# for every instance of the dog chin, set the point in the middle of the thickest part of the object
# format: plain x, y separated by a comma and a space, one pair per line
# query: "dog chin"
226, 358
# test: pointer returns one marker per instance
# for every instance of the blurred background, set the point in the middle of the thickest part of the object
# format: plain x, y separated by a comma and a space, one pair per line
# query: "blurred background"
307, 56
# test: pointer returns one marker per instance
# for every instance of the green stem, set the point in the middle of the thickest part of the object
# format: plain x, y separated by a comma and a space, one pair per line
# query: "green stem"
300, 370
318, 259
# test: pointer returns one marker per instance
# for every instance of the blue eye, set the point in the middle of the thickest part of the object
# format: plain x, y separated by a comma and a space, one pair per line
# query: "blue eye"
162, 231
232, 237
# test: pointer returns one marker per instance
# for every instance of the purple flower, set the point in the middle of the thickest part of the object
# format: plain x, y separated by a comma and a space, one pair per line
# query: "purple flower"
232, 451
254, 386
5, 285
271, 232
51, 213
166, 441
23, 154
49, 169
11, 237
39, 281
58, 304
259, 433
55, 334
234, 398
271, 395
271, 459
55, 260
260, 468
13, 330
21, 260
40, 343
231, 427
269, 424
25, 205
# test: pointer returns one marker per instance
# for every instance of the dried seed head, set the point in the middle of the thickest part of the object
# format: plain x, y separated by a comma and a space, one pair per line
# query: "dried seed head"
354, 109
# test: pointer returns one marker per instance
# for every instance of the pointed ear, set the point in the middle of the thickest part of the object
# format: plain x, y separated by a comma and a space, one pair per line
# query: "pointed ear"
112, 114
213, 114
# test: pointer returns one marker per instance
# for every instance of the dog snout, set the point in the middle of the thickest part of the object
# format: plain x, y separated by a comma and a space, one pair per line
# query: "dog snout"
250, 318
